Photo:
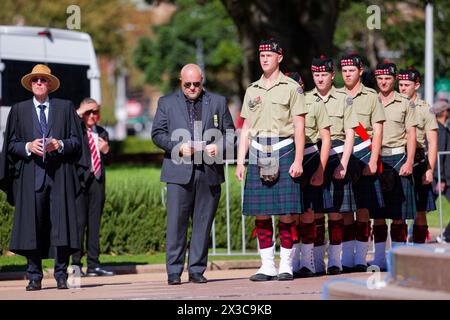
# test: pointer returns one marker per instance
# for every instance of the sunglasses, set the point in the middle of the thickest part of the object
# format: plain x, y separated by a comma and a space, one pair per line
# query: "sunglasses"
94, 112
43, 80
187, 85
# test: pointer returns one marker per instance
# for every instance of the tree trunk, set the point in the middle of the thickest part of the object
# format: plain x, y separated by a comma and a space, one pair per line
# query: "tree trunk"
304, 29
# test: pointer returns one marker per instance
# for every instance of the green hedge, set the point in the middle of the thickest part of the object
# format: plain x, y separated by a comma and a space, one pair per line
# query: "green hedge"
134, 219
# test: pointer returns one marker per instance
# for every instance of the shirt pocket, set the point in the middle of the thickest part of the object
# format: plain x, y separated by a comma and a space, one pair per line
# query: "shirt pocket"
280, 107
310, 118
365, 116
336, 116
398, 122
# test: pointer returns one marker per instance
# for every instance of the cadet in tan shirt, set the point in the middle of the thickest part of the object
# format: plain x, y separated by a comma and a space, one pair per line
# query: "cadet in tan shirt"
399, 135
274, 131
337, 185
363, 165
317, 129
409, 83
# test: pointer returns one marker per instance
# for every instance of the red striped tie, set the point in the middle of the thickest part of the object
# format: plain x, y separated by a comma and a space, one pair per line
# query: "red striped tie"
94, 155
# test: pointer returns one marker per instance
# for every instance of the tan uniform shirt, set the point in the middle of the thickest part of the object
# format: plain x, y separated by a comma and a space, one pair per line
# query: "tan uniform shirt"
316, 118
400, 115
427, 121
368, 108
340, 112
271, 110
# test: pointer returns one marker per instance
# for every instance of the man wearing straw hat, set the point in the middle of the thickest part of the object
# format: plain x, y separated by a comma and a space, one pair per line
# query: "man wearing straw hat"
38, 173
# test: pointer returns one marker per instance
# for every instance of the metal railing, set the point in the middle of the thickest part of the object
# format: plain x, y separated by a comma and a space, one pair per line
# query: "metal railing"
244, 251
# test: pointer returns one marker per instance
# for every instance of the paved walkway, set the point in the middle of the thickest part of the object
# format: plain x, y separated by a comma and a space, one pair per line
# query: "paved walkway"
223, 284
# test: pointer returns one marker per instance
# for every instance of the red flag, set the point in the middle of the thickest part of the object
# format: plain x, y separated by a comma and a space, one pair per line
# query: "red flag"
362, 133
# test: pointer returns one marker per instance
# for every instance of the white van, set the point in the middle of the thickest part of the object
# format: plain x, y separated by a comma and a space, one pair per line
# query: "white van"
69, 54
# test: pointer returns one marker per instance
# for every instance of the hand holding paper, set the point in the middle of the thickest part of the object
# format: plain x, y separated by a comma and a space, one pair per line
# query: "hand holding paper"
197, 145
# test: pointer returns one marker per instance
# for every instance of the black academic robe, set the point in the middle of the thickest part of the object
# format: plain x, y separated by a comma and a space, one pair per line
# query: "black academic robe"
17, 174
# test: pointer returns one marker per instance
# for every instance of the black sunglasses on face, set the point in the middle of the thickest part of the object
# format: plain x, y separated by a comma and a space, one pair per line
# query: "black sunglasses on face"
94, 112
187, 85
43, 80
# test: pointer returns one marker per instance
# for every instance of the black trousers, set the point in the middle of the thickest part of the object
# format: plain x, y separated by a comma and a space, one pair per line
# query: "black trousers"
199, 200
43, 200
90, 208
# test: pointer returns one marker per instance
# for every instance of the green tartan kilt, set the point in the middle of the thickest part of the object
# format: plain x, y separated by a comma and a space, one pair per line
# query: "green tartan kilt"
398, 191
280, 197
367, 189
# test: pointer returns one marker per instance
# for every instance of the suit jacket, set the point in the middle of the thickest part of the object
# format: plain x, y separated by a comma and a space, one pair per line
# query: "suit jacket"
86, 152
172, 115
18, 172
443, 145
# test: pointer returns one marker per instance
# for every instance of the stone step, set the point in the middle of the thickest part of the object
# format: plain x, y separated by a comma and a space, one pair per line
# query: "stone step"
349, 289
421, 267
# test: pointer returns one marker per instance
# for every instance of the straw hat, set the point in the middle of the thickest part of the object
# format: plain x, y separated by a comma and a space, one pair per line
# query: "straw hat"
41, 70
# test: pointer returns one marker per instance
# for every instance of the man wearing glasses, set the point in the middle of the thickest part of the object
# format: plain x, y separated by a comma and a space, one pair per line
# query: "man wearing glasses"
91, 201
38, 173
192, 168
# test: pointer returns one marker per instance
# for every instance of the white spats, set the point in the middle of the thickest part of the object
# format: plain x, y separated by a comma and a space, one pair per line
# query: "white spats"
334, 255
319, 258
307, 259
361, 249
296, 257
348, 253
268, 262
285, 261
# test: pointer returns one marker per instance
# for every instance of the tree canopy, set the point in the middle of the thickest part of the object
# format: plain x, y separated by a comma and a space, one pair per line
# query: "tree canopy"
197, 33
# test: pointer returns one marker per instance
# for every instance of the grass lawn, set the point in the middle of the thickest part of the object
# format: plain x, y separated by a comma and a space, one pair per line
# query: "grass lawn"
433, 217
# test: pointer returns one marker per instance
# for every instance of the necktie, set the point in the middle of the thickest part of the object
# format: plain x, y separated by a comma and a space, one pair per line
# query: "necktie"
94, 155
43, 119
191, 115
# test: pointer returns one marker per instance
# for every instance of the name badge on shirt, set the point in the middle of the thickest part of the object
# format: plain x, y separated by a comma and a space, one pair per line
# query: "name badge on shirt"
254, 102
216, 120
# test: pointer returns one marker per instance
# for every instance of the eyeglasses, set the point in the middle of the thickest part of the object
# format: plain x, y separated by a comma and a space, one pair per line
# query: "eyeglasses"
187, 85
43, 80
94, 112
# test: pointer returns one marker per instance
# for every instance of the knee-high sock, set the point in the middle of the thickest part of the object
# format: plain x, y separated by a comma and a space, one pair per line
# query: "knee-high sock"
380, 237
362, 242
308, 233
348, 245
420, 233
264, 230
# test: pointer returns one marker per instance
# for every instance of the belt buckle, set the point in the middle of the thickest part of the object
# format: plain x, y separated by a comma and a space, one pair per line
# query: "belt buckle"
267, 148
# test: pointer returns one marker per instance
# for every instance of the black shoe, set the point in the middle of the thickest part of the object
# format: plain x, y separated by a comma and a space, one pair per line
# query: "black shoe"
305, 273
197, 278
319, 274
285, 276
262, 277
333, 270
360, 268
346, 269
173, 279
34, 285
61, 283
98, 272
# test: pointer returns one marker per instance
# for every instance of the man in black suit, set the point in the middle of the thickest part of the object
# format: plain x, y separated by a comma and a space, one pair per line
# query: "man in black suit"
91, 201
191, 125
39, 174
